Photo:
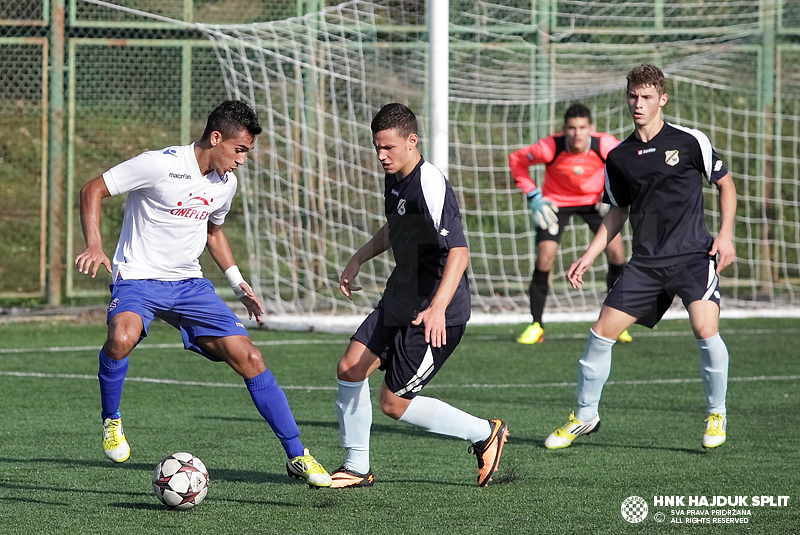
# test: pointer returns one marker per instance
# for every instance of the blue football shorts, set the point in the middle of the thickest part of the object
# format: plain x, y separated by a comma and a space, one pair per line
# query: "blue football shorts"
410, 362
191, 306
647, 293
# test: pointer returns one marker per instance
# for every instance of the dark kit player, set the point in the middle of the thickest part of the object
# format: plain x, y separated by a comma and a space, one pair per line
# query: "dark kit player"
423, 313
655, 178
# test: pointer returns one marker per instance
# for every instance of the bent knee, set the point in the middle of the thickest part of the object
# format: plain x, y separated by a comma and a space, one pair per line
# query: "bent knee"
120, 345
704, 333
356, 364
247, 362
350, 374
393, 409
254, 360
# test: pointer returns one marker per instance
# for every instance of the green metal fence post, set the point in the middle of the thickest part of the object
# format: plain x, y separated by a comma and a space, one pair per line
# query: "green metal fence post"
55, 175
768, 141
543, 69
186, 94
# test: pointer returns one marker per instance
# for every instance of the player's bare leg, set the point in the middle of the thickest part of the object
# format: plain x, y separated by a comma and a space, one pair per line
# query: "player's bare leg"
238, 351
615, 256
245, 358
704, 317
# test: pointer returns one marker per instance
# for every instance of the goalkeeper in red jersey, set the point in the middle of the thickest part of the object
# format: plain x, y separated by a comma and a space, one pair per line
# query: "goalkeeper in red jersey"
574, 175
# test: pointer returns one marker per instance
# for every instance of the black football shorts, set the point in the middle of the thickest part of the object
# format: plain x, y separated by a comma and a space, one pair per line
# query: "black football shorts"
647, 293
588, 213
410, 363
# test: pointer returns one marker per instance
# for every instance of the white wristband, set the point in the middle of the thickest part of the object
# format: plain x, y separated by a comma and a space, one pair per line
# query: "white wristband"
235, 278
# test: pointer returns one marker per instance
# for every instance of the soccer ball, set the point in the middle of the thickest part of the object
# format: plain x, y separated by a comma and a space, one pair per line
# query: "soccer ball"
180, 481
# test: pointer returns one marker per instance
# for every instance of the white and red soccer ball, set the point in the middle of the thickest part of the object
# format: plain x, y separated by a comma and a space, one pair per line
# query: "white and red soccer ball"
180, 481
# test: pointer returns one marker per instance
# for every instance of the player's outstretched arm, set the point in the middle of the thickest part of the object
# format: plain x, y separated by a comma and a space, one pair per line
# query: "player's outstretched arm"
91, 195
220, 251
433, 317
609, 228
723, 244
378, 244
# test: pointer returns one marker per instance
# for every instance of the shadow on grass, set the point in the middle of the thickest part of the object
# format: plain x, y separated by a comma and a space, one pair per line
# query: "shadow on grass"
30, 500
160, 507
389, 428
140, 506
539, 443
44, 488
218, 474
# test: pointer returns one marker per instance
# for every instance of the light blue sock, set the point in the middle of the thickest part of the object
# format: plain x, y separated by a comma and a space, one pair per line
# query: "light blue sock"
437, 416
354, 411
593, 370
271, 402
111, 374
714, 372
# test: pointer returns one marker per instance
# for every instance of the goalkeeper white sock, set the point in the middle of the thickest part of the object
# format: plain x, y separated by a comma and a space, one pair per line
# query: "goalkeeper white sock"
436, 416
354, 410
714, 372
593, 370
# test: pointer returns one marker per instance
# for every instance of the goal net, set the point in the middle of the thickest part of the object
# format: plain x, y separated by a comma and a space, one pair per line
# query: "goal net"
313, 188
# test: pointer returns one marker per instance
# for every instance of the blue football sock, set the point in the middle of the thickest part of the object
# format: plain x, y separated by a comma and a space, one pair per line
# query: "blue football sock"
112, 376
593, 370
271, 402
714, 372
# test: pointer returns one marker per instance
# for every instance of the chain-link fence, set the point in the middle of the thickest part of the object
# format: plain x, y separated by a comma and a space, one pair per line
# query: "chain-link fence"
87, 86
130, 83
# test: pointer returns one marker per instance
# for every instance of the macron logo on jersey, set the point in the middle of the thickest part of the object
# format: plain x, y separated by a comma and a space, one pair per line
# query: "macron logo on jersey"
181, 176
444, 232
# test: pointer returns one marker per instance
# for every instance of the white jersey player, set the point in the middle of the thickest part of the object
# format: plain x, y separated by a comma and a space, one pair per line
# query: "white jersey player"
177, 202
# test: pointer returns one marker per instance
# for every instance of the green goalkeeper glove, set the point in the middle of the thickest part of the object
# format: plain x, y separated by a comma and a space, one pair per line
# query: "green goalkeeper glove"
543, 212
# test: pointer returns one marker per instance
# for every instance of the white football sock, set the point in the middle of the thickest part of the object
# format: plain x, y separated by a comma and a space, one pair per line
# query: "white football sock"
593, 370
714, 372
437, 416
354, 410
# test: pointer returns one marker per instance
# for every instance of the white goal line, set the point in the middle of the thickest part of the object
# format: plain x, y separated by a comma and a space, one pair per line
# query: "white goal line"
308, 388
343, 342
145, 346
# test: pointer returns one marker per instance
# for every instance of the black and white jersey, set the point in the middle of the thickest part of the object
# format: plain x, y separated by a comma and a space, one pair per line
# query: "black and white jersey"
424, 224
662, 183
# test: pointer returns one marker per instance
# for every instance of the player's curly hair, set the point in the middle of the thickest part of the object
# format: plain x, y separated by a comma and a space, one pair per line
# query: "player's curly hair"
646, 74
230, 118
395, 116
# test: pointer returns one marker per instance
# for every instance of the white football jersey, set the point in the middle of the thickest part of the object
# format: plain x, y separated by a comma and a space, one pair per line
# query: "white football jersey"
169, 205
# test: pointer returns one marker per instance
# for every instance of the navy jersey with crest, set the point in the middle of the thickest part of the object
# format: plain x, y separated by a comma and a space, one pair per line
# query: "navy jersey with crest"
661, 182
424, 224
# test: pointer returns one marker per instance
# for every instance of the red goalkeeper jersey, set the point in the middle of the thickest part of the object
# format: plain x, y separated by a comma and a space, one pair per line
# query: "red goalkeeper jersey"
569, 179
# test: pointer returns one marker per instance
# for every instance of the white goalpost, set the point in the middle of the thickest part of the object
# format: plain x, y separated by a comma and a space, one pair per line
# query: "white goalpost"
313, 189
